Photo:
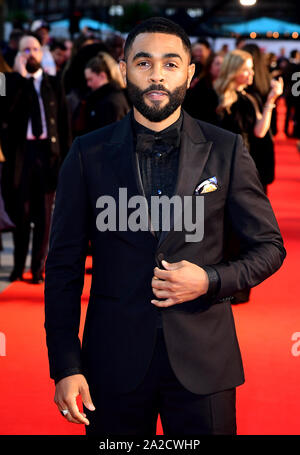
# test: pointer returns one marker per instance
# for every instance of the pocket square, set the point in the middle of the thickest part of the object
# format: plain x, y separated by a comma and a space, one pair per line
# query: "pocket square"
207, 186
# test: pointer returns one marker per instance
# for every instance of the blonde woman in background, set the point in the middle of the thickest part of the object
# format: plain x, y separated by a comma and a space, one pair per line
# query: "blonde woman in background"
240, 113
238, 110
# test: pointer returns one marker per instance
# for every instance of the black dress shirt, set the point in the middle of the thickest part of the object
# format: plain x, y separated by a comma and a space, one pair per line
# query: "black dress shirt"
158, 158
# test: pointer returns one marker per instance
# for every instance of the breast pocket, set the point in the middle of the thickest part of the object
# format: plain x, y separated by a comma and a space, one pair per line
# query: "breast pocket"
217, 192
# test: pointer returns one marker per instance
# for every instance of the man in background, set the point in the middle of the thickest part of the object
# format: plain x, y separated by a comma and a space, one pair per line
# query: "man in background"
42, 29
36, 138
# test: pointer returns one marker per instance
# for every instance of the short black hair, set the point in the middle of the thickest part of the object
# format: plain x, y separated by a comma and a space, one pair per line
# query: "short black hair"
157, 25
293, 53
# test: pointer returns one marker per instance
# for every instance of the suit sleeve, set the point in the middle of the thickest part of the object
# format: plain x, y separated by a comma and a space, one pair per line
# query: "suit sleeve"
253, 219
65, 266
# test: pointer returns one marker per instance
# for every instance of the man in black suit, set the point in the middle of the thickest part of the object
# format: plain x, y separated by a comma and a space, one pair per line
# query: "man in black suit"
36, 137
159, 334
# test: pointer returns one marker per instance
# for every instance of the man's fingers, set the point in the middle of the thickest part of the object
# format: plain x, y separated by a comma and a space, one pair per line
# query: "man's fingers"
165, 303
167, 275
161, 294
75, 413
161, 284
64, 407
86, 398
71, 419
172, 265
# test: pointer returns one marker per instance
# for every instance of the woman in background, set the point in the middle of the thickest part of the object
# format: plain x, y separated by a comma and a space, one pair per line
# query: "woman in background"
201, 99
241, 113
262, 149
107, 102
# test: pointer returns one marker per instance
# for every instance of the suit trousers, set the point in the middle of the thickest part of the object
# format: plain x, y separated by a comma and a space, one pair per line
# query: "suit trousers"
33, 204
181, 411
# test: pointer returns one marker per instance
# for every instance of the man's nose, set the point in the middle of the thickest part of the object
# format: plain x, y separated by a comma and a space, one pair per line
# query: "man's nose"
156, 74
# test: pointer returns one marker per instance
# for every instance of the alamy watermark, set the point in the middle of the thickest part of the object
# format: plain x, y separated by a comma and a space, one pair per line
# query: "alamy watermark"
177, 213
2, 84
296, 346
2, 345
296, 86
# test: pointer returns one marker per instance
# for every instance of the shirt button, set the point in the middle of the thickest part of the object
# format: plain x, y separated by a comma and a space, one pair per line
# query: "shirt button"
159, 192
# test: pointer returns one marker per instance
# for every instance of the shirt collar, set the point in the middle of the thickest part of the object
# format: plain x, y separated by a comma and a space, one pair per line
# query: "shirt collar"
138, 128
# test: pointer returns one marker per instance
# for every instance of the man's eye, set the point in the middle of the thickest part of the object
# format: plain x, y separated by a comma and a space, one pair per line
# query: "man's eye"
172, 65
143, 64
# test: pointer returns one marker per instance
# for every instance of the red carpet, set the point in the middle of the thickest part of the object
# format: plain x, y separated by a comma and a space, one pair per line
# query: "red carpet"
268, 403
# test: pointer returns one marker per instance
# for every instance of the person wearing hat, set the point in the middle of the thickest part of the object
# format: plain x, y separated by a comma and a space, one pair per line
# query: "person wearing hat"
42, 28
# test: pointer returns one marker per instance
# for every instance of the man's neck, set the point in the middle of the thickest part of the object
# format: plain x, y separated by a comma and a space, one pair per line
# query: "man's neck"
157, 126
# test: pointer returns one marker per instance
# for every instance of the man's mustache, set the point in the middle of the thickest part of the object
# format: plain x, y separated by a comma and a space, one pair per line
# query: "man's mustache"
31, 60
156, 88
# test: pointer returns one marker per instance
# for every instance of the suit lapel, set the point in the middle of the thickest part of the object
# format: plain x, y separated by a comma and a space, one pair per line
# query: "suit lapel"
194, 152
125, 162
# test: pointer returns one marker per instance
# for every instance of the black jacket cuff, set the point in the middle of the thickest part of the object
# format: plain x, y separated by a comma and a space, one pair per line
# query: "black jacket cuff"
65, 373
214, 281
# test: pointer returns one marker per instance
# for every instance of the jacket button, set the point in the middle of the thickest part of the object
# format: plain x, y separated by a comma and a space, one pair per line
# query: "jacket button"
52, 121
53, 139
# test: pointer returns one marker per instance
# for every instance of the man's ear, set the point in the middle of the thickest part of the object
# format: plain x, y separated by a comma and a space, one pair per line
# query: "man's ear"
191, 72
123, 69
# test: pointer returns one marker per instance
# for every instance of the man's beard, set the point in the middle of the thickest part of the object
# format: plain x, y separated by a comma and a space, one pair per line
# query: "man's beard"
155, 113
32, 65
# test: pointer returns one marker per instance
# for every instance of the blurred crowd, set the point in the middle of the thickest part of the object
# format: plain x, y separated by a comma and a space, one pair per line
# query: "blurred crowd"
58, 89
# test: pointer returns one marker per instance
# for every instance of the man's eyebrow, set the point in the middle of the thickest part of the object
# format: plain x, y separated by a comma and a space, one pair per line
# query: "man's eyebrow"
143, 54
172, 55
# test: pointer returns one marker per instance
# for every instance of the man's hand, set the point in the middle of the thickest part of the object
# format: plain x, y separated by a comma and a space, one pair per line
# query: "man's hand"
20, 64
180, 282
66, 392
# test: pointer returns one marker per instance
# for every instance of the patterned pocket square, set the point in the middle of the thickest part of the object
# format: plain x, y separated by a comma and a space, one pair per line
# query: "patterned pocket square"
207, 186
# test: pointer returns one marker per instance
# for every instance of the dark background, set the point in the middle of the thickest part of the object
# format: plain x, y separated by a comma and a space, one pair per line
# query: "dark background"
207, 22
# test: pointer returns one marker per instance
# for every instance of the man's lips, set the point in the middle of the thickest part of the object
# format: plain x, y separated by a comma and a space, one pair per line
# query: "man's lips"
156, 94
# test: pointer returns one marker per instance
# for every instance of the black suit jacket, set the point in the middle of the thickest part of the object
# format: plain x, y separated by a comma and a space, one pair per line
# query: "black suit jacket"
14, 122
120, 326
